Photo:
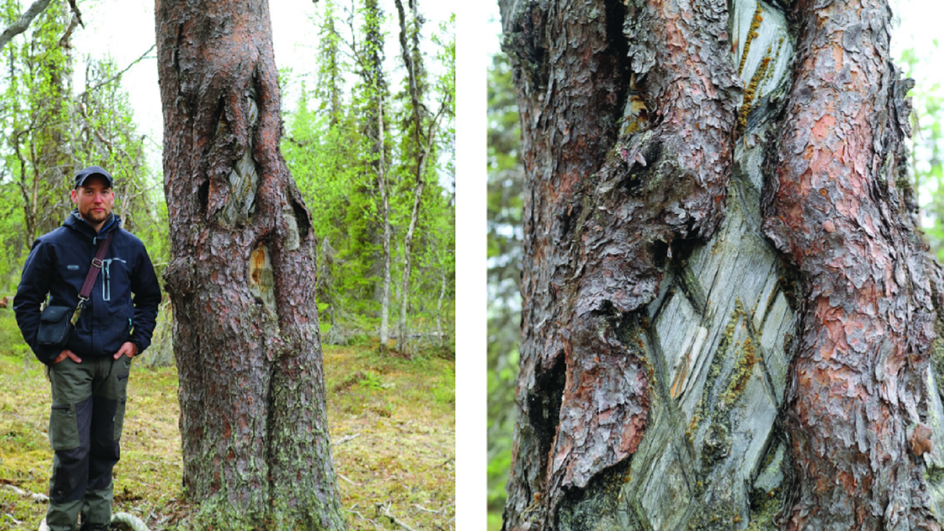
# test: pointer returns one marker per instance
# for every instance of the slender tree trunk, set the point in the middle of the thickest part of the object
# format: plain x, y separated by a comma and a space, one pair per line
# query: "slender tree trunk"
370, 56
439, 308
407, 266
253, 424
387, 232
656, 388
422, 144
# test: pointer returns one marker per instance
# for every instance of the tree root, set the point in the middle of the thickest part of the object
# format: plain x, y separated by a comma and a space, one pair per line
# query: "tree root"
135, 523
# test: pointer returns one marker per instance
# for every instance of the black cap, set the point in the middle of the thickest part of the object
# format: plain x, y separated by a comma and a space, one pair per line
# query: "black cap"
90, 171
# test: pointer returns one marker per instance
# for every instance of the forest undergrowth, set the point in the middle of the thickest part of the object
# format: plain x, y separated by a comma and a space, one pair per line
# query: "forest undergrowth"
391, 421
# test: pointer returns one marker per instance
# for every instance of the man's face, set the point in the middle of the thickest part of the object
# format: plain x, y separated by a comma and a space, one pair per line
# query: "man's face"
94, 200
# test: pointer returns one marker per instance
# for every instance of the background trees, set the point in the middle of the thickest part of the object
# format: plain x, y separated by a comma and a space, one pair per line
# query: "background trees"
48, 132
373, 163
331, 108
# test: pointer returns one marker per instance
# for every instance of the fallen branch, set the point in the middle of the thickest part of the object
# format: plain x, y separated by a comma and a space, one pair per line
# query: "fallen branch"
393, 519
444, 463
362, 517
342, 476
345, 439
38, 498
15, 521
420, 507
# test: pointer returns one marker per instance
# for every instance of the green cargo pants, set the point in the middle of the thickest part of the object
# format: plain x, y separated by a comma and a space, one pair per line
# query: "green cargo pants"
88, 407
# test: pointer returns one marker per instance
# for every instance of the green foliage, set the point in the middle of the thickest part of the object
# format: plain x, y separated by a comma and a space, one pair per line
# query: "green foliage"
347, 143
49, 133
505, 182
11, 341
927, 145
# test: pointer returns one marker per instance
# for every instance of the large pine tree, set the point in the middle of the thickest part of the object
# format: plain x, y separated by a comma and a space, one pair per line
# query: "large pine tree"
253, 423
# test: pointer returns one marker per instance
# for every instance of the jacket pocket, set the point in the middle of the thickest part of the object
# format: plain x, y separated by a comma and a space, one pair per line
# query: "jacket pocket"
63, 428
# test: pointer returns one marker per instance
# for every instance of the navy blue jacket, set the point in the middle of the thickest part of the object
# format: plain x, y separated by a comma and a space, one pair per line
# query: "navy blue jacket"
57, 265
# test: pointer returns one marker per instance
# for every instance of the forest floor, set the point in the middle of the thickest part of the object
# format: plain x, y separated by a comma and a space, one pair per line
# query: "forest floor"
391, 420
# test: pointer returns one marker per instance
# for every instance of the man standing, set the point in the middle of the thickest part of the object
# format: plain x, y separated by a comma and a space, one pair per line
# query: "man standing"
89, 376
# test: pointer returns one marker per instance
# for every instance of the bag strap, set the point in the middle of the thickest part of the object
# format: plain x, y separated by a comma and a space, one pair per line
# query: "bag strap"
90, 277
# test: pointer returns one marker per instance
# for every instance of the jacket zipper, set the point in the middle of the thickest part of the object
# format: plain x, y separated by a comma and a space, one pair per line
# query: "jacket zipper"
106, 280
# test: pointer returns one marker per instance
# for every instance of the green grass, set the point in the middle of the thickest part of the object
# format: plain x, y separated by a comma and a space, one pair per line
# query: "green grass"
391, 420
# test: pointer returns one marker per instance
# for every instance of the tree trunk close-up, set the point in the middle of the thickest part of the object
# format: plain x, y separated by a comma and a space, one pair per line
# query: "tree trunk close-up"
241, 278
729, 317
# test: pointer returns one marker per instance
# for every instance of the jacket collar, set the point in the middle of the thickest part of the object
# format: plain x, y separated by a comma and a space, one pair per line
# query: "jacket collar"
75, 222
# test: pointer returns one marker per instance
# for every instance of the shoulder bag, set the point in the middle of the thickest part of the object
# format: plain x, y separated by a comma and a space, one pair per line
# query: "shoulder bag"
57, 322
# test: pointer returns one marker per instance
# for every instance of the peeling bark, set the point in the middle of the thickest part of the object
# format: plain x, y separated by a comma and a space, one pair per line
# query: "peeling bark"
836, 208
616, 178
630, 112
242, 275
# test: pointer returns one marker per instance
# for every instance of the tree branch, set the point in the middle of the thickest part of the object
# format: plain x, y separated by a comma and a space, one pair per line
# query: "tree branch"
23, 22
64, 41
118, 75
76, 13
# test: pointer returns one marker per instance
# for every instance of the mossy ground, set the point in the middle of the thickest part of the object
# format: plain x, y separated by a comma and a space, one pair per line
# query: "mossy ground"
392, 424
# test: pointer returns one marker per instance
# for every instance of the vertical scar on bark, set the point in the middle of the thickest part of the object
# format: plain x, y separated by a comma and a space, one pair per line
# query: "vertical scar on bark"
658, 184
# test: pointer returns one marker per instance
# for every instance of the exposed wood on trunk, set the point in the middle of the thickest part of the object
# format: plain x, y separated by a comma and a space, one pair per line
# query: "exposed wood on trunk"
837, 209
617, 177
255, 436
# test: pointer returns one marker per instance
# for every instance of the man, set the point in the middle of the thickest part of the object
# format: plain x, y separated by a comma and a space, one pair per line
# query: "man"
90, 375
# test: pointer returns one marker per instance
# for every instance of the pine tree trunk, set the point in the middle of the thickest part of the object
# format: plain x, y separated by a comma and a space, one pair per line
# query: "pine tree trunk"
661, 386
242, 278
838, 210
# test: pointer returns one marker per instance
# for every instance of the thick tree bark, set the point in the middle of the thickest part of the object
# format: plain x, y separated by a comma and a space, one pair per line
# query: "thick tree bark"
242, 278
656, 389
602, 211
837, 210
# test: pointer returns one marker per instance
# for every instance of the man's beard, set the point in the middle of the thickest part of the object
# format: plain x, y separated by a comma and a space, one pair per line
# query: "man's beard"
91, 215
